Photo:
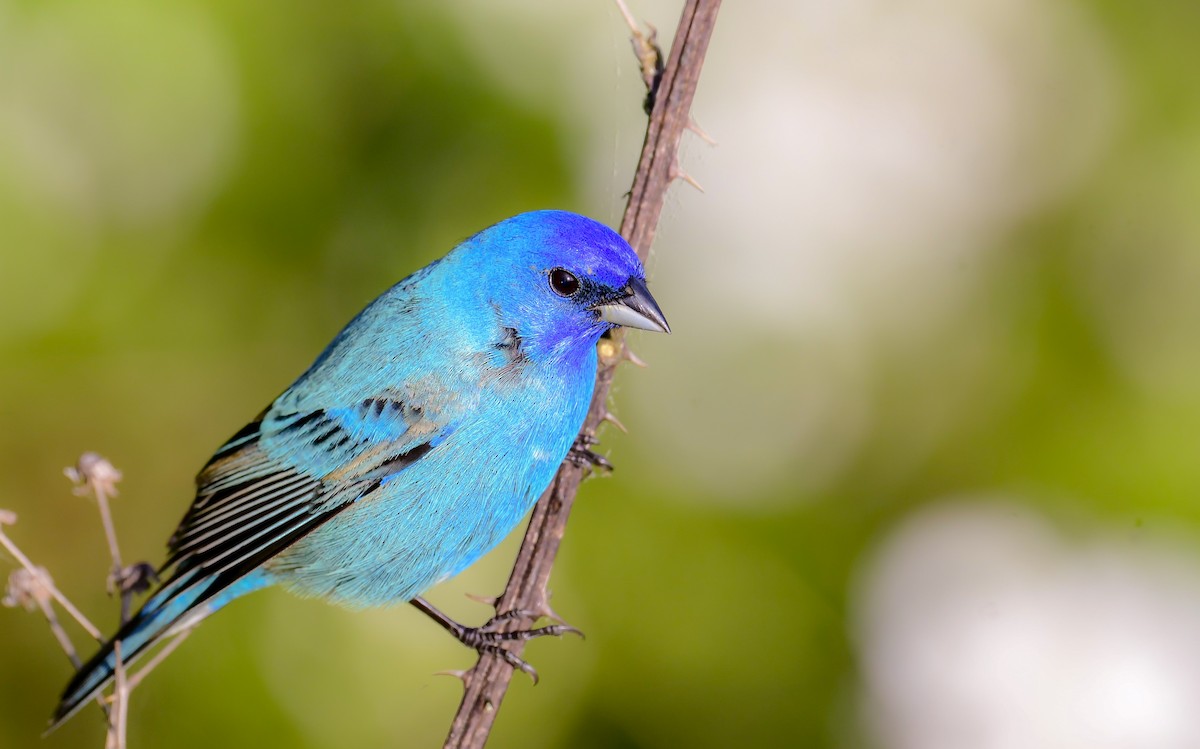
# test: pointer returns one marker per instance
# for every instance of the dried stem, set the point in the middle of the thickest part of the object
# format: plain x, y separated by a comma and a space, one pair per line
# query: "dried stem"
44, 580
487, 682
94, 475
59, 633
33, 587
38, 588
116, 581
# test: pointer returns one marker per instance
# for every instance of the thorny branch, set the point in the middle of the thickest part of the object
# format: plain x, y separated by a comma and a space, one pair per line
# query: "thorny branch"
487, 682
670, 90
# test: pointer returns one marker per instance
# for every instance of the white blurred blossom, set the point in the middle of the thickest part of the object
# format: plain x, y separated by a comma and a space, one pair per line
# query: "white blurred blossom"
980, 626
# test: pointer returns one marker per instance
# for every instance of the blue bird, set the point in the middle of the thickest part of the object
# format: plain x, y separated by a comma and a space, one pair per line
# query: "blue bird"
415, 442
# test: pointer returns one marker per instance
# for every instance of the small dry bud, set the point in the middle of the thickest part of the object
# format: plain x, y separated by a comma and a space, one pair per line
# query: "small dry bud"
608, 351
8, 517
136, 578
26, 589
93, 473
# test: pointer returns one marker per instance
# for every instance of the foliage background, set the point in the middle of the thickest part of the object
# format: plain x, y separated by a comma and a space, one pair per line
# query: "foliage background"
917, 469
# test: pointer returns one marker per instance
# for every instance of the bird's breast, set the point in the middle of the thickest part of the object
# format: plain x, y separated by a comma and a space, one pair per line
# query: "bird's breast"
440, 514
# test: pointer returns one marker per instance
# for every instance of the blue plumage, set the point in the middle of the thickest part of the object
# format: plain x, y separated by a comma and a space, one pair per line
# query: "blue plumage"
414, 443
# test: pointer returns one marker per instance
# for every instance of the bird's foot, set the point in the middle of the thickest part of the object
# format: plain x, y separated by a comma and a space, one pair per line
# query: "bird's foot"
582, 455
490, 638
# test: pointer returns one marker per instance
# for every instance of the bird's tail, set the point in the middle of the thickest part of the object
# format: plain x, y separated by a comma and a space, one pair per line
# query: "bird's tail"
177, 606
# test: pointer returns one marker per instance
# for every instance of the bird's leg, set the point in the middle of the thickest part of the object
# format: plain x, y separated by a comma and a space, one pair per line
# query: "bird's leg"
582, 454
488, 638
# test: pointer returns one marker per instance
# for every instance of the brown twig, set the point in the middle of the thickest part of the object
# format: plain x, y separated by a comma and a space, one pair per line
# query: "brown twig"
487, 682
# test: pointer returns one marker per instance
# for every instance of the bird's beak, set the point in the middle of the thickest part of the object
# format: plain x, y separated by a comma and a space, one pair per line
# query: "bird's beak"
635, 310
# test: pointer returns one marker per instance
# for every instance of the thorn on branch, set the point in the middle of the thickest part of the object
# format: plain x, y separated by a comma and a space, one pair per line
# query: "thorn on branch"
611, 419
676, 172
613, 352
459, 673
541, 606
695, 128
485, 600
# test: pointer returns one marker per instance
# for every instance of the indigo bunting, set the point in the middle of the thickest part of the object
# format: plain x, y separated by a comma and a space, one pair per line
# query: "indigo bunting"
414, 443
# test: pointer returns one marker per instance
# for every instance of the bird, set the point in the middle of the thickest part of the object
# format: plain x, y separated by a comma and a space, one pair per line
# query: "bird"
413, 444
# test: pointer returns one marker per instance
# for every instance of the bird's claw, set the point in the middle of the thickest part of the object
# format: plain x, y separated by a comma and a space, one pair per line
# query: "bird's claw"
493, 624
488, 639
582, 455
511, 659
489, 635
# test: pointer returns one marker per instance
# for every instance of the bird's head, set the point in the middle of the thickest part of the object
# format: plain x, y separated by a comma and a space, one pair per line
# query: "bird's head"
560, 280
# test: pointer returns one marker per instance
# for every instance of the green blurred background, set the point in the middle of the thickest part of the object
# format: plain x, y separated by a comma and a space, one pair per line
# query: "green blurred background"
918, 468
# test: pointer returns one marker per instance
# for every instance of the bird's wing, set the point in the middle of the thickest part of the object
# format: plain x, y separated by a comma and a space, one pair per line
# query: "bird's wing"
287, 473
284, 474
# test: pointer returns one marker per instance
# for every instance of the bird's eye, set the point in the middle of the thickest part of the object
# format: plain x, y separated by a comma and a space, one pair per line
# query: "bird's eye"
563, 282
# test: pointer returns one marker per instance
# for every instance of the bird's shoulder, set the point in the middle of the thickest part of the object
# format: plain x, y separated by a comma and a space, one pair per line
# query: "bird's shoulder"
291, 468
335, 440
